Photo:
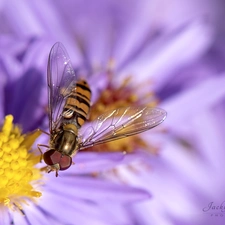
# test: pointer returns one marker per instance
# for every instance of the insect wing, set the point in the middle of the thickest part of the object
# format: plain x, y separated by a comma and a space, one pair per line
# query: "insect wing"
61, 80
120, 123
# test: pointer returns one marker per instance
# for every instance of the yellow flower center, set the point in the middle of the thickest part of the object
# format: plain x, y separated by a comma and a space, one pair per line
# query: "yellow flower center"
123, 96
17, 166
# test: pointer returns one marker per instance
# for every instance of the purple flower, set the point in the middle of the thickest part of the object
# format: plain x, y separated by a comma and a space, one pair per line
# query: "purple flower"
176, 46
84, 195
23, 182
38, 197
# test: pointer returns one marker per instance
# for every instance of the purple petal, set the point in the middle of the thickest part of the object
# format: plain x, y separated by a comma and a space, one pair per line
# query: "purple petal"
22, 100
169, 53
5, 216
35, 216
18, 218
73, 210
94, 189
195, 100
87, 162
94, 162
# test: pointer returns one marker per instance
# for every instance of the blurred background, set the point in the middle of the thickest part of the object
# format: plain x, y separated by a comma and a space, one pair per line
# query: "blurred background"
175, 46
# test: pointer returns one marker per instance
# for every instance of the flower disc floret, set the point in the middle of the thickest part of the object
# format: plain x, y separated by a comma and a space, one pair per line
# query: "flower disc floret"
18, 174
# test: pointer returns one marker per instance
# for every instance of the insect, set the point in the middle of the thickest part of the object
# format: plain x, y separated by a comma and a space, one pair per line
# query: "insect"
69, 105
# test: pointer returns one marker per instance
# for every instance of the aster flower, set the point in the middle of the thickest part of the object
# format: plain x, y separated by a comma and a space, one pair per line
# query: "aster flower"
165, 47
24, 204
31, 206
30, 195
17, 166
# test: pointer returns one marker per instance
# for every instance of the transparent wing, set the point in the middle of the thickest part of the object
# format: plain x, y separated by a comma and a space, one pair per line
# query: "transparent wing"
61, 79
120, 123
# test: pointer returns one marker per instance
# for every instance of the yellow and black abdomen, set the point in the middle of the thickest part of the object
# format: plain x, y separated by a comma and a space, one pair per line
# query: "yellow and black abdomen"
77, 104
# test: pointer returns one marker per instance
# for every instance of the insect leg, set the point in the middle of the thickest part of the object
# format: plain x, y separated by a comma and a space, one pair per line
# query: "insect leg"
48, 169
42, 131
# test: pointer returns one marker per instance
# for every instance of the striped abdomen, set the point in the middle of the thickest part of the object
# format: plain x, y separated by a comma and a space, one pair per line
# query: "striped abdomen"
78, 103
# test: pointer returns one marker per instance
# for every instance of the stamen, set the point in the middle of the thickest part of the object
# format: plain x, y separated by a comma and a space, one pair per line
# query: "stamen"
123, 96
18, 174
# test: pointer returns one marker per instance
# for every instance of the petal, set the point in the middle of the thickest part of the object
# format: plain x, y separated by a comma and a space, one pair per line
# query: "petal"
195, 100
34, 215
22, 100
18, 218
5, 216
2, 94
74, 211
86, 162
93, 189
170, 52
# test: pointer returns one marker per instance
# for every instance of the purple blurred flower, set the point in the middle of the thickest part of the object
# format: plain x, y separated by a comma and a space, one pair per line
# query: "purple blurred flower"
82, 196
179, 46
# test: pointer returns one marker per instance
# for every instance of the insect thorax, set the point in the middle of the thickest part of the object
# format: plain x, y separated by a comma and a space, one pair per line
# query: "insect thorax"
65, 139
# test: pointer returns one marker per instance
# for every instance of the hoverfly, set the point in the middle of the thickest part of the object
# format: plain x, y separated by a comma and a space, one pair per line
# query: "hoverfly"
69, 104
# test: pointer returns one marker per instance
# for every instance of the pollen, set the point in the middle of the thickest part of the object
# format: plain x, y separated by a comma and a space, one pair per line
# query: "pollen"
18, 174
124, 95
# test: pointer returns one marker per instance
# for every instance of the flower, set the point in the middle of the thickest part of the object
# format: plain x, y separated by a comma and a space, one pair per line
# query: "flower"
114, 97
17, 166
84, 195
24, 188
178, 46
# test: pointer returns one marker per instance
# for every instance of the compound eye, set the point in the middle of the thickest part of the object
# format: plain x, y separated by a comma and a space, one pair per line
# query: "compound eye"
52, 157
65, 162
